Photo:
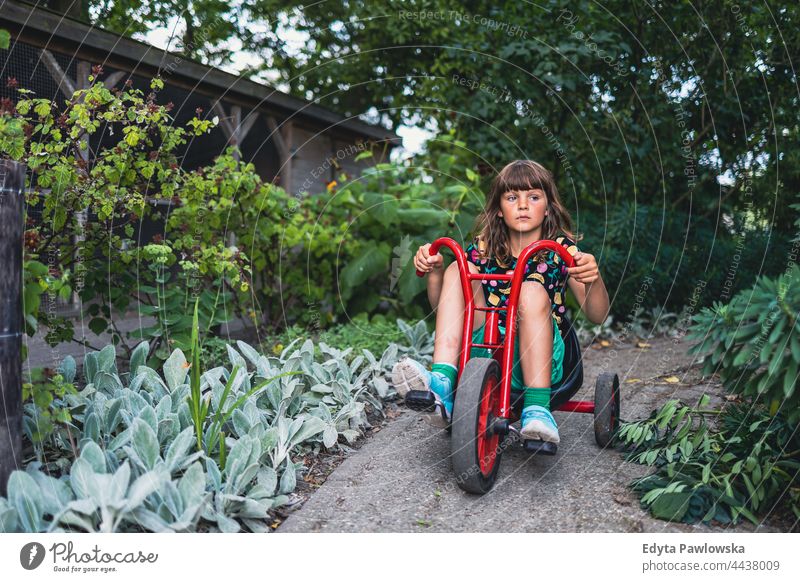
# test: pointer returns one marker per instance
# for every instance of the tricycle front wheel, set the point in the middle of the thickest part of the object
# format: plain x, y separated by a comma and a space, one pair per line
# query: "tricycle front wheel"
475, 444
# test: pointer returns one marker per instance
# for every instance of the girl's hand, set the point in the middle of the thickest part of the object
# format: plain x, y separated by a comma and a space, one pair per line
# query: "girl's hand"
425, 262
585, 269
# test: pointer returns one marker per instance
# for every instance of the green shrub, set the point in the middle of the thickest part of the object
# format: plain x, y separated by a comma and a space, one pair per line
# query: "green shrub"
100, 198
742, 468
652, 257
753, 342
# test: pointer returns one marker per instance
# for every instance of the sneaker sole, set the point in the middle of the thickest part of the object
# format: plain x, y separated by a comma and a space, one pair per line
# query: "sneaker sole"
538, 430
406, 377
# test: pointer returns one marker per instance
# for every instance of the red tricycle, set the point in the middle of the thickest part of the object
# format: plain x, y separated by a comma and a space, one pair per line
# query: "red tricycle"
483, 410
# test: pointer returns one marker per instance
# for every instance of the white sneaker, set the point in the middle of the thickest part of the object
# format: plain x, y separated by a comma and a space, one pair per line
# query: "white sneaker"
538, 424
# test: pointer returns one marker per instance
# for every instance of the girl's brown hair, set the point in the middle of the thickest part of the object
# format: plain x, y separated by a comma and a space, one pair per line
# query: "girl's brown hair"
520, 175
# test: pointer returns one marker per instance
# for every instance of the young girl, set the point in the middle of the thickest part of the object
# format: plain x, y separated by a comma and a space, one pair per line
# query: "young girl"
523, 206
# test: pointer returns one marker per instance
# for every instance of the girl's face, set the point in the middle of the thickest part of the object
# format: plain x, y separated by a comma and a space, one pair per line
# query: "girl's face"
523, 211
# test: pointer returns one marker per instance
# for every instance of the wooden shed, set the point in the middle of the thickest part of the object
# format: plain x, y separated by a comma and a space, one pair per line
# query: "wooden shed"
293, 142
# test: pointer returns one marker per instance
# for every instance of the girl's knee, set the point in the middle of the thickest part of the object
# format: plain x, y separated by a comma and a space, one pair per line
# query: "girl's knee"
533, 298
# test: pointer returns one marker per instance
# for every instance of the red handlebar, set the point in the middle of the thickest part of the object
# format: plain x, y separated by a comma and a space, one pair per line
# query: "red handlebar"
527, 252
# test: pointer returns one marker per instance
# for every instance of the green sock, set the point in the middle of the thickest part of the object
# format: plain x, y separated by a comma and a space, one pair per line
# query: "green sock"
539, 396
448, 370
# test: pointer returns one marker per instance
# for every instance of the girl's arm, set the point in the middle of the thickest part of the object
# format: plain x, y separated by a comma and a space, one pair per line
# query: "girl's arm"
435, 282
433, 267
587, 285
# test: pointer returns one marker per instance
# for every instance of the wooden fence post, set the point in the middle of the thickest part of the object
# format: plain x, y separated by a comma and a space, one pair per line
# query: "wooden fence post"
12, 185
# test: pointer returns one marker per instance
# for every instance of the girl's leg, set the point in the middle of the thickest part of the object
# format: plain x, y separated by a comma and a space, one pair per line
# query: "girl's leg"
536, 355
450, 315
535, 334
408, 374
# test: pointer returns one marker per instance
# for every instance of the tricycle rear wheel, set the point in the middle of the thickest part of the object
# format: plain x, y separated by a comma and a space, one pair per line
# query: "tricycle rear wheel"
475, 445
606, 408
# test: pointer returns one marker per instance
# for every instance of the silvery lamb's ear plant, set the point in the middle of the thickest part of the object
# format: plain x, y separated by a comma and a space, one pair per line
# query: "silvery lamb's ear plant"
290, 433
90, 500
247, 489
151, 500
337, 424
419, 341
145, 438
32, 497
199, 406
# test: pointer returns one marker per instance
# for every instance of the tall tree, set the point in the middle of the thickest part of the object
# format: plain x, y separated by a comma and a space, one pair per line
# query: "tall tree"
627, 100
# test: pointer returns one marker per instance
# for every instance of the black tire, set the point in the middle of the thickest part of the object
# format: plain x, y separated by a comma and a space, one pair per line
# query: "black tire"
606, 408
480, 380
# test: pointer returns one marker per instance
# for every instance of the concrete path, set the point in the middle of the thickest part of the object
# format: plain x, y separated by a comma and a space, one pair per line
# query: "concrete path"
401, 479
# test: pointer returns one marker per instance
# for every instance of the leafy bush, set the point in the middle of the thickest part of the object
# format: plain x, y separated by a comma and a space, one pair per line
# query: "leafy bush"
292, 262
674, 252
753, 342
742, 468
351, 255
46, 391
87, 204
375, 333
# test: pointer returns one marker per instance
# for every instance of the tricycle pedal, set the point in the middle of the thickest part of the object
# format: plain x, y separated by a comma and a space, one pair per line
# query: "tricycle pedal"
536, 447
421, 400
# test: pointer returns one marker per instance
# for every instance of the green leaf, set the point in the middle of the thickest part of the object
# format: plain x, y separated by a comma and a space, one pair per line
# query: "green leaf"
106, 360
26, 497
409, 285
139, 357
329, 436
94, 455
193, 484
795, 346
671, 506
381, 207
5, 39
90, 367
311, 426
268, 479
67, 369
706, 473
144, 486
790, 379
175, 369
371, 262
98, 325
226, 524
145, 443
420, 219
288, 480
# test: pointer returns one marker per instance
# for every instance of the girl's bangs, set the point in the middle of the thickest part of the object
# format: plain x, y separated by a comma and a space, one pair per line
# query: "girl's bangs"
520, 177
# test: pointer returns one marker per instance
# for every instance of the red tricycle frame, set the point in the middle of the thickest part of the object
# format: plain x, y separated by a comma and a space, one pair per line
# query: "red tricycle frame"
502, 352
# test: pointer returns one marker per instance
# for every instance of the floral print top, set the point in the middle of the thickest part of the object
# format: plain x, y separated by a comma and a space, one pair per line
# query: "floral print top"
552, 273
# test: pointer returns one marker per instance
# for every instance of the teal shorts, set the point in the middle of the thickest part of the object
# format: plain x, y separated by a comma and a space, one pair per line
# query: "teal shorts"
517, 382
